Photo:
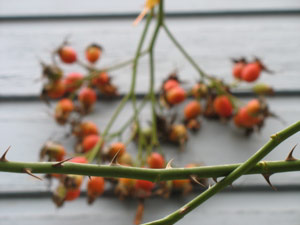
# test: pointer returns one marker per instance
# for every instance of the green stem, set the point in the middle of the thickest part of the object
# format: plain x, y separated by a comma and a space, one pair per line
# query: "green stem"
187, 56
92, 154
231, 177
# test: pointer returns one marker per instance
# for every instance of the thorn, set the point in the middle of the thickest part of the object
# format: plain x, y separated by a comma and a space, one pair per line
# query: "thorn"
215, 179
169, 166
267, 178
3, 157
113, 162
60, 164
28, 171
290, 156
194, 178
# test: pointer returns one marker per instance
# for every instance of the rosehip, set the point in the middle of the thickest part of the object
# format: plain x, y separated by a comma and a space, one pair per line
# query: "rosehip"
93, 52
144, 185
53, 73
115, 148
178, 132
243, 119
176, 95
67, 54
180, 184
223, 106
108, 89
192, 110
73, 181
251, 72
79, 159
87, 97
170, 84
63, 109
253, 107
85, 129
95, 188
237, 70
156, 161
125, 159
55, 89
54, 151
73, 81
72, 194
101, 79
89, 142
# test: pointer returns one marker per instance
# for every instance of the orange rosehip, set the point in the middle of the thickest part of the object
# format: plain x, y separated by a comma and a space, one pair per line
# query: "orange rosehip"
192, 110
101, 79
223, 106
251, 72
89, 142
243, 119
176, 95
253, 107
88, 128
156, 161
95, 186
180, 184
79, 159
67, 54
93, 53
87, 97
73, 81
144, 185
115, 148
55, 89
170, 84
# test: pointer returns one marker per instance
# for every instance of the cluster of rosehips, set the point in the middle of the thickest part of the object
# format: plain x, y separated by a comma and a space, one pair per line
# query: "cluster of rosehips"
75, 84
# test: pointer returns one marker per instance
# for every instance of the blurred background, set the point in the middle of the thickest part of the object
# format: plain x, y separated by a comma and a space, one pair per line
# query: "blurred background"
213, 32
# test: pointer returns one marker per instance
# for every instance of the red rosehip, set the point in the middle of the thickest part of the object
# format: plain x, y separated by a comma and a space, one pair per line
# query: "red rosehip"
67, 54
66, 105
101, 79
145, 185
251, 72
223, 106
87, 128
72, 194
253, 107
237, 70
73, 81
89, 142
79, 159
192, 110
156, 161
115, 148
93, 53
176, 95
87, 97
243, 119
168, 85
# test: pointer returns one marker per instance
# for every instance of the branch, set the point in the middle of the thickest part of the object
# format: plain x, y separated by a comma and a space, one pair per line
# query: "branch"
243, 168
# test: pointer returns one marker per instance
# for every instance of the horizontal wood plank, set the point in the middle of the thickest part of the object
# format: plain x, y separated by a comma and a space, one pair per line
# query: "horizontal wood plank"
211, 41
33, 7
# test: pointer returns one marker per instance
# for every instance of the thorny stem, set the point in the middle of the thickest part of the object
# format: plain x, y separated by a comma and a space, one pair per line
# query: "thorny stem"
231, 177
92, 154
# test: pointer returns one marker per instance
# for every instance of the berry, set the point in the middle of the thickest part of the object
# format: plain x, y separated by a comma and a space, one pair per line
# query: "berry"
95, 188
192, 110
73, 81
89, 142
72, 194
86, 128
178, 132
180, 184
67, 54
144, 185
223, 106
73, 181
63, 109
251, 72
127, 182
253, 107
237, 70
115, 148
56, 151
170, 84
79, 159
108, 89
125, 159
87, 97
92, 53
55, 89
101, 79
156, 161
243, 119
176, 95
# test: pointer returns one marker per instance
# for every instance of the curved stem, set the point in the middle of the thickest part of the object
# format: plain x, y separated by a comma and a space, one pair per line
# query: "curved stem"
231, 177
